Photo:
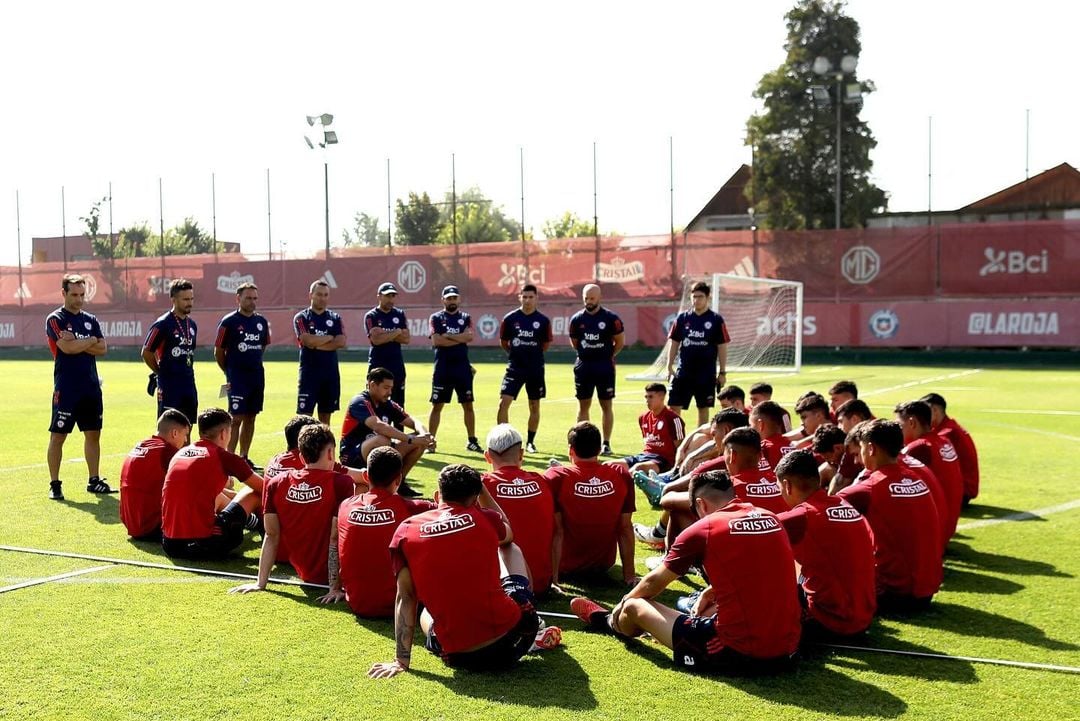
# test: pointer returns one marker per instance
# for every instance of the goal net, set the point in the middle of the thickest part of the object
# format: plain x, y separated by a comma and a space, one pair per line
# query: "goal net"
764, 318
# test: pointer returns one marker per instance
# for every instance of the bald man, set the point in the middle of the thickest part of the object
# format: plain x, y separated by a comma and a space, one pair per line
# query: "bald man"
597, 335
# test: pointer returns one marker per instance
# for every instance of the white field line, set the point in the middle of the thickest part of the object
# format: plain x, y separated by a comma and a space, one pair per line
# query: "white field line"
923, 381
132, 580
946, 657
1022, 516
1037, 431
59, 577
1017, 411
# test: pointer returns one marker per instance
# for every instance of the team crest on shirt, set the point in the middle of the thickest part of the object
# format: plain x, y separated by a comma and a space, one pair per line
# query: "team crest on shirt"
762, 489
259, 326
446, 524
659, 425
304, 493
708, 325
87, 325
518, 488
396, 320
601, 325
754, 525
138, 452
594, 488
536, 324
329, 322
177, 352
947, 452
371, 516
908, 489
461, 321
843, 514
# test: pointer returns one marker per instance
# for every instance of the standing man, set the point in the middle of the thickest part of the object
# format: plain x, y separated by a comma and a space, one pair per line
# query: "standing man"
525, 335
597, 335
388, 330
169, 352
242, 336
319, 333
699, 344
76, 341
451, 332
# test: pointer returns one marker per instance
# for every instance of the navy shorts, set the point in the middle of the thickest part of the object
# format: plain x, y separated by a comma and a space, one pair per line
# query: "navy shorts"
514, 379
696, 646
320, 394
184, 398
246, 394
444, 387
76, 408
697, 385
213, 547
594, 377
656, 458
509, 647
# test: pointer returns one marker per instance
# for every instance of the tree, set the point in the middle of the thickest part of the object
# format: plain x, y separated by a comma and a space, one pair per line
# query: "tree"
418, 222
478, 220
102, 247
568, 226
188, 239
793, 184
366, 232
135, 241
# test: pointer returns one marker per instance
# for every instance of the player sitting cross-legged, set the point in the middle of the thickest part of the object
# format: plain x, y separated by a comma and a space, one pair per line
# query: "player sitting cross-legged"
143, 475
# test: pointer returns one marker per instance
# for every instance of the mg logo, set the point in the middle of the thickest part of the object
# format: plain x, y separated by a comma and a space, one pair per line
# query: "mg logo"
860, 264
411, 276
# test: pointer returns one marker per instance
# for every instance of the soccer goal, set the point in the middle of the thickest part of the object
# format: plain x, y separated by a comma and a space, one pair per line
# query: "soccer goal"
764, 318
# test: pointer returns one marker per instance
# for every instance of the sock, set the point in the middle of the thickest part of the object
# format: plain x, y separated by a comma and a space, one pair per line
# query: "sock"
234, 512
253, 522
92, 479
472, 439
659, 529
601, 621
532, 436
607, 441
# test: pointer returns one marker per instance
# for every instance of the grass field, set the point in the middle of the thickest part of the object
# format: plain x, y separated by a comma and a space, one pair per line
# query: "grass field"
129, 643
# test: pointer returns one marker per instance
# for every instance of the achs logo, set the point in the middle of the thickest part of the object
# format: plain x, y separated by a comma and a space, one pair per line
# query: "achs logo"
446, 524
947, 452
518, 489
884, 324
908, 489
843, 513
762, 489
371, 516
754, 525
1014, 262
594, 488
487, 326
303, 493
860, 264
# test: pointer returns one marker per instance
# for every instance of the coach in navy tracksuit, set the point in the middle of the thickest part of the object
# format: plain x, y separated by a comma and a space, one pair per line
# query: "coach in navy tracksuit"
319, 333
242, 338
169, 351
699, 341
525, 335
597, 335
388, 330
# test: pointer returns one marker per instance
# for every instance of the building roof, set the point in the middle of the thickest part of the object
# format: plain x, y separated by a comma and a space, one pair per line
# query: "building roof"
1058, 187
730, 199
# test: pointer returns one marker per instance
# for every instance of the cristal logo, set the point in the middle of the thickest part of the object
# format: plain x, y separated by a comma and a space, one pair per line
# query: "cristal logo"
525, 489
594, 488
860, 264
1014, 262
303, 493
619, 271
752, 526
228, 283
762, 489
446, 524
844, 514
371, 516
908, 489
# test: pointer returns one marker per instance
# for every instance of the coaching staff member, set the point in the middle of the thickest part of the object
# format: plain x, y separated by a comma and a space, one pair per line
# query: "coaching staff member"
169, 352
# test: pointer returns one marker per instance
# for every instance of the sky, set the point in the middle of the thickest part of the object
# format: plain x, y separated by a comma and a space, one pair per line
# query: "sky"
130, 92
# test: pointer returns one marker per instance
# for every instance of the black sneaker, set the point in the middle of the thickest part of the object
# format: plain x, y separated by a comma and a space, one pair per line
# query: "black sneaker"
98, 485
606, 450
474, 447
56, 492
406, 491
252, 466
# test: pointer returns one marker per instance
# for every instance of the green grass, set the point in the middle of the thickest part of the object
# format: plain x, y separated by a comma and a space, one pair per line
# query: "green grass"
129, 643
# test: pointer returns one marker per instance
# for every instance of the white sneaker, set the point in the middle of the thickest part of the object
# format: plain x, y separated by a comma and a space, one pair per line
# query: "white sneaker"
647, 535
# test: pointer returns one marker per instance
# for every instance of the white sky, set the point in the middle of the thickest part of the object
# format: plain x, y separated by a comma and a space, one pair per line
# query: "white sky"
132, 91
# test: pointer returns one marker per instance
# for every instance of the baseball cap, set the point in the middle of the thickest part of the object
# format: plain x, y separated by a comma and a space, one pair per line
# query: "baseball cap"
387, 288
503, 437
450, 290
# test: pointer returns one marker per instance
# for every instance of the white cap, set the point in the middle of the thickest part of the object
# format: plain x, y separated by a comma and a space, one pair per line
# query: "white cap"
503, 437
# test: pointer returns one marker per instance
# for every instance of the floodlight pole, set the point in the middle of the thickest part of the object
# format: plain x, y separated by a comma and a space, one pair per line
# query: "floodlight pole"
18, 246
839, 105
63, 226
326, 196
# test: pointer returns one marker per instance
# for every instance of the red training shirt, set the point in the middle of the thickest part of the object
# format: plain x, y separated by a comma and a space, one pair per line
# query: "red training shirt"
141, 479
936, 492
526, 499
759, 488
965, 452
591, 497
305, 502
662, 433
932, 450
773, 449
196, 475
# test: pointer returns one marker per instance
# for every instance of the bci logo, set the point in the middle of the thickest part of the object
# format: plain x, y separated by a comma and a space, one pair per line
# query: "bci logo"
1014, 262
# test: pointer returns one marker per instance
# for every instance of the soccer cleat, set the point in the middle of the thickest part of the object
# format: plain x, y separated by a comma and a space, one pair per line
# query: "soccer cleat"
590, 612
56, 492
474, 447
651, 486
530, 447
406, 491
547, 638
254, 523
554, 463
98, 485
606, 450
647, 535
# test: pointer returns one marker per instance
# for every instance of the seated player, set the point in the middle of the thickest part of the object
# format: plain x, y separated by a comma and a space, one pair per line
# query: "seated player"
848, 415
813, 410
923, 473
662, 431
902, 515
290, 458
369, 423
300, 507
143, 475
760, 392
743, 449
732, 397
834, 548
830, 443
365, 525
936, 453
593, 507
200, 518
746, 555
768, 420
460, 562
961, 440
840, 393
527, 501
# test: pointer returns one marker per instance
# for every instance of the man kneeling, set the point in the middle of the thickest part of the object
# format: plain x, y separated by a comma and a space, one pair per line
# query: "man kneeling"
460, 562
754, 623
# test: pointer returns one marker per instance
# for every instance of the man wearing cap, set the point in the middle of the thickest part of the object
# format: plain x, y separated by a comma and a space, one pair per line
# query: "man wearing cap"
388, 330
451, 332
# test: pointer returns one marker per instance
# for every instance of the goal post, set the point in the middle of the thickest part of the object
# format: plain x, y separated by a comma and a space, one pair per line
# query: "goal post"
764, 318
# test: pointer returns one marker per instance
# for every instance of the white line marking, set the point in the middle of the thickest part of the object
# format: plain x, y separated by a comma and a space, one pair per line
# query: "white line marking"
1022, 516
1036, 431
1018, 411
60, 577
923, 381
945, 657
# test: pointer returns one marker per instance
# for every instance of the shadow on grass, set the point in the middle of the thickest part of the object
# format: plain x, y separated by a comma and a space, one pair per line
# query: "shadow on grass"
964, 581
544, 680
967, 621
811, 685
963, 555
105, 508
885, 637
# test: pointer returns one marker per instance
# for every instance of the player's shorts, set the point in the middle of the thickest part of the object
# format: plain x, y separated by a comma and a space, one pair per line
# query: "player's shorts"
70, 409
213, 547
699, 386
598, 377
514, 379
445, 386
509, 647
696, 646
656, 458
246, 393
320, 394
184, 398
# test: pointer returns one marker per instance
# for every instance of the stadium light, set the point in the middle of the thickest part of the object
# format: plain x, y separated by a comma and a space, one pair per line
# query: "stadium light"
849, 94
329, 138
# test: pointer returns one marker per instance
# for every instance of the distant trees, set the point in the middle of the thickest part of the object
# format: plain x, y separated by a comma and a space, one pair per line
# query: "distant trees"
139, 240
568, 226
